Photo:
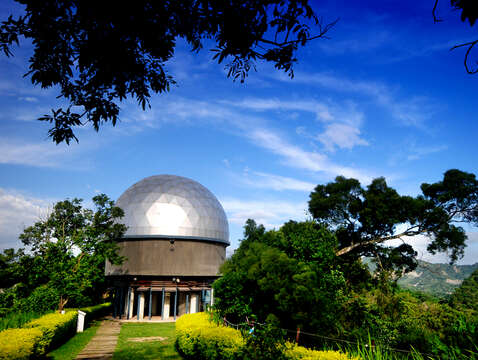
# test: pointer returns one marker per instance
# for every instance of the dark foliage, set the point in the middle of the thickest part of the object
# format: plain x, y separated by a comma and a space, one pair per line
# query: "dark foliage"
364, 218
100, 52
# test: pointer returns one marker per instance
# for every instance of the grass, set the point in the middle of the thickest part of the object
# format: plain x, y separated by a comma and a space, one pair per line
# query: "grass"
16, 320
147, 350
72, 347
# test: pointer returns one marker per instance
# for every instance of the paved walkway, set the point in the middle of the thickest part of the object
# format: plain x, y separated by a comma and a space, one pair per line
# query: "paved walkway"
103, 344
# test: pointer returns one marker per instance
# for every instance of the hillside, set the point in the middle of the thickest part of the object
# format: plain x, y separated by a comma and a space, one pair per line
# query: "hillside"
436, 279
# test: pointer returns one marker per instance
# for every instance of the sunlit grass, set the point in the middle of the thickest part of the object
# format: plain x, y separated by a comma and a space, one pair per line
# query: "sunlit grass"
164, 349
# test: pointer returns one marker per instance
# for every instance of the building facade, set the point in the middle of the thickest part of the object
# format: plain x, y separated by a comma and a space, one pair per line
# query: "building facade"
175, 243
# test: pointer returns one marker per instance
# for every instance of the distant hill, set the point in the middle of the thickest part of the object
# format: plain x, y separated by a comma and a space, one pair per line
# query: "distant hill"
436, 279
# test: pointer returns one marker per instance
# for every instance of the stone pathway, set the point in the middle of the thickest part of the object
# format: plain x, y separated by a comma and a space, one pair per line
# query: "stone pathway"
103, 344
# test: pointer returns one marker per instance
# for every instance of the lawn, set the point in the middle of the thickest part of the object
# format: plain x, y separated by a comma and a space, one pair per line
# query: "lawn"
158, 349
72, 347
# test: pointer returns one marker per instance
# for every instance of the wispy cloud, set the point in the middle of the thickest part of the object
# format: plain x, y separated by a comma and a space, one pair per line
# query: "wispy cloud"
270, 213
297, 157
20, 152
412, 111
342, 122
46, 153
254, 126
263, 180
342, 136
18, 211
417, 153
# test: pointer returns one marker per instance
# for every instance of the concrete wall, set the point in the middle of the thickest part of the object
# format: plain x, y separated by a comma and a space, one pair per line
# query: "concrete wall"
159, 257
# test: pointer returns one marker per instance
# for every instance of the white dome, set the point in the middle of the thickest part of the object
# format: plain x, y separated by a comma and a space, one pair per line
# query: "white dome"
173, 207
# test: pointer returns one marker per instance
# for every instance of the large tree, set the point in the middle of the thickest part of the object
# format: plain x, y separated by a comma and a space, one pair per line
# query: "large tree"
100, 52
288, 274
68, 249
365, 218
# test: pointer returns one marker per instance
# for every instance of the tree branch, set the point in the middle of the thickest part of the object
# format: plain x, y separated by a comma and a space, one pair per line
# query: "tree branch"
470, 45
407, 232
321, 34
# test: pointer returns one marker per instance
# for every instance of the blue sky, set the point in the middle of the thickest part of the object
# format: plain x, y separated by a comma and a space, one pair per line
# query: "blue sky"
383, 96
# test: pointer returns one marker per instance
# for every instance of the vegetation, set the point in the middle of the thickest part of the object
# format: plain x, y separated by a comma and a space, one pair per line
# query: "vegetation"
310, 275
157, 349
65, 260
466, 296
16, 320
201, 338
77, 46
37, 337
365, 218
70, 349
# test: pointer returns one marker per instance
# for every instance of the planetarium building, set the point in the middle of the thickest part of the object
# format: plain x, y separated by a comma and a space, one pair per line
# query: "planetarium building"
175, 243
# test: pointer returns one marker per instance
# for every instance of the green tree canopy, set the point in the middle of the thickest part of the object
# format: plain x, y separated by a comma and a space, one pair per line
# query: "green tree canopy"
99, 52
287, 274
68, 249
466, 296
365, 218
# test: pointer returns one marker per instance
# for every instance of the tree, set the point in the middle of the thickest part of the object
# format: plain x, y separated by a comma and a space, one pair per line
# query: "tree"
466, 296
99, 53
288, 274
469, 11
70, 247
365, 218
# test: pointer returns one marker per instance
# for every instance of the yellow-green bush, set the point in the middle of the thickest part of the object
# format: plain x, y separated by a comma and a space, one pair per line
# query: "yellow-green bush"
55, 329
39, 336
19, 343
94, 312
199, 338
294, 352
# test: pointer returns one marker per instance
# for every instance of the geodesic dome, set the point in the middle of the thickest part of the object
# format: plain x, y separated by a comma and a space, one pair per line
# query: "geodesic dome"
173, 207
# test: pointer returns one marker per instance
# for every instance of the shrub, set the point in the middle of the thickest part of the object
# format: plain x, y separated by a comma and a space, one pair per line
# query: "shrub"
199, 338
44, 334
55, 329
294, 352
94, 312
19, 343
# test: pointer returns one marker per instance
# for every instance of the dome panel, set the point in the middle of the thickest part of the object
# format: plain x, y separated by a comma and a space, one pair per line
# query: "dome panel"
169, 205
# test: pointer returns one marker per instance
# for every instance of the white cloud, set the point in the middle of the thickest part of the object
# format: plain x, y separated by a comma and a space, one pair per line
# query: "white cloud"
28, 98
420, 243
18, 211
225, 113
44, 154
295, 156
275, 182
414, 111
421, 151
342, 122
343, 136
270, 213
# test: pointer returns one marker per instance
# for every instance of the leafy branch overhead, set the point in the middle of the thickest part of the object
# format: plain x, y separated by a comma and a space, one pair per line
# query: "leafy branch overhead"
99, 53
365, 218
